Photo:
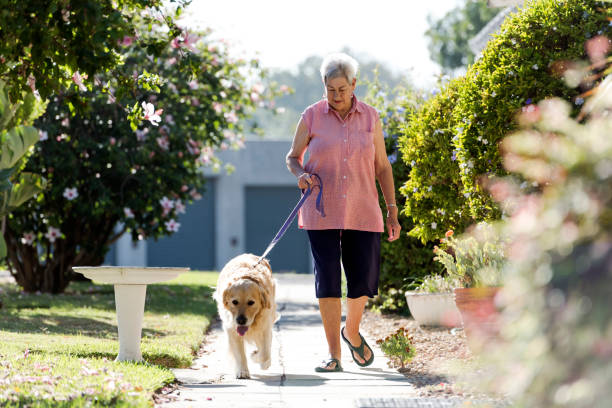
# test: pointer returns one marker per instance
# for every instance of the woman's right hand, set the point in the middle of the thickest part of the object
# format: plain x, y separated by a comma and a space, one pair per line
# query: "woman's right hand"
304, 181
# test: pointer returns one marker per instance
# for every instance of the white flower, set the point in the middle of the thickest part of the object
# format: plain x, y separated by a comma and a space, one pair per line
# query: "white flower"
429, 188
231, 117
71, 193
218, 107
151, 114
535, 66
413, 163
43, 135
170, 119
280, 110
180, 207
166, 204
434, 225
52, 234
128, 212
259, 87
27, 238
172, 225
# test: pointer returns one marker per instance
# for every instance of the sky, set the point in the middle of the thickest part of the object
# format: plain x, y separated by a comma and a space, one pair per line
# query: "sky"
282, 33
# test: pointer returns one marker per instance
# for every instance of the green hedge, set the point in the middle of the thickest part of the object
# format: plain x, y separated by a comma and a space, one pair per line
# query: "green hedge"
406, 260
453, 140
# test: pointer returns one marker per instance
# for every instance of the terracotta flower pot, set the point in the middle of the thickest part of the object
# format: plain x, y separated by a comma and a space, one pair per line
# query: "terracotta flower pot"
479, 313
433, 309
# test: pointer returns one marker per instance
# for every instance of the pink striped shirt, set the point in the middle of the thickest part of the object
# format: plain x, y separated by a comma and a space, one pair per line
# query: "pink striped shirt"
341, 152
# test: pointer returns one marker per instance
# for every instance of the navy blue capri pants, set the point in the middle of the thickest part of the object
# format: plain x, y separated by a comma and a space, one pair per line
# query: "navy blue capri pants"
360, 255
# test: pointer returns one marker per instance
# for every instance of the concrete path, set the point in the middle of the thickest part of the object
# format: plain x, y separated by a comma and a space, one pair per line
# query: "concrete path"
298, 346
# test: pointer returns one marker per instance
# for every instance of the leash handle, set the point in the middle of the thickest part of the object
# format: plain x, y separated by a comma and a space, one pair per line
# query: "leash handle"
294, 212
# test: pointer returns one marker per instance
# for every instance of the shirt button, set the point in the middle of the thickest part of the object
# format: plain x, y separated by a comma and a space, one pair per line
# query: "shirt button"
344, 125
343, 195
345, 140
343, 177
344, 159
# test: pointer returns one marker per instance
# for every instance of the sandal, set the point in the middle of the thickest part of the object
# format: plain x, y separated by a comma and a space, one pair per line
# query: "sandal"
326, 367
359, 350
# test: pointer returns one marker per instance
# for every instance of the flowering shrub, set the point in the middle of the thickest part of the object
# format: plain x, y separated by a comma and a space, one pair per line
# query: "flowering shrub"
405, 260
398, 347
557, 299
454, 139
475, 259
104, 170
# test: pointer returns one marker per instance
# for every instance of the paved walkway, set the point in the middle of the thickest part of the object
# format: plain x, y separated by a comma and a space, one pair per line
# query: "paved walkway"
298, 346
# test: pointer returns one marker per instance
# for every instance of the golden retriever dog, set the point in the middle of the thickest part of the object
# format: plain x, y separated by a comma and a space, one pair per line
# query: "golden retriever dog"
245, 299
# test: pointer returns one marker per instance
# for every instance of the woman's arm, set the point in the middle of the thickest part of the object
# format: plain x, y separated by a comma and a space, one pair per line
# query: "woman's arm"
384, 175
296, 154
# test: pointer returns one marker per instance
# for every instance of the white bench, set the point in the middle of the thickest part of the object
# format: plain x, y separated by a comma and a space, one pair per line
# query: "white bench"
130, 292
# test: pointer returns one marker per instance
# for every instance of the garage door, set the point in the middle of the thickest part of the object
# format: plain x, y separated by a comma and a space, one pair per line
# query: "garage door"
266, 210
194, 243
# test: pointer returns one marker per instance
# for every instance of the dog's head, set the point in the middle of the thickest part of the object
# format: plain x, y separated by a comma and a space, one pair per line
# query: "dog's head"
245, 298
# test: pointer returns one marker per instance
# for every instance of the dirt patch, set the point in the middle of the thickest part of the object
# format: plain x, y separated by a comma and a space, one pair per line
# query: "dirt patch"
443, 364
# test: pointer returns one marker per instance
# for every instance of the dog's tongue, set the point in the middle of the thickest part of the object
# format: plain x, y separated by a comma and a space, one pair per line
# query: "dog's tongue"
242, 329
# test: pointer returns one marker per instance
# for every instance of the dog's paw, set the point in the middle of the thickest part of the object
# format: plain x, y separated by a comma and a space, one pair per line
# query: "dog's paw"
265, 364
243, 374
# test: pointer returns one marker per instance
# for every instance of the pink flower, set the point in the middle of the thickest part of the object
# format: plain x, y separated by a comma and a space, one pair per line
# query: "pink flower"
195, 195
218, 107
231, 117
179, 206
254, 96
43, 135
28, 238
258, 87
171, 61
597, 48
189, 41
66, 122
166, 204
184, 188
151, 114
77, 78
128, 213
127, 41
193, 84
71, 193
170, 119
112, 141
53, 234
284, 89
163, 143
175, 43
172, 226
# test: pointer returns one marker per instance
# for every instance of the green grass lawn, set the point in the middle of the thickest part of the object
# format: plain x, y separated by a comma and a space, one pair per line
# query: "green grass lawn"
58, 351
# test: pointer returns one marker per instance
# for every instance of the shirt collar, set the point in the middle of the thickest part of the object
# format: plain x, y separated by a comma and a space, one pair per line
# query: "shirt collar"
356, 106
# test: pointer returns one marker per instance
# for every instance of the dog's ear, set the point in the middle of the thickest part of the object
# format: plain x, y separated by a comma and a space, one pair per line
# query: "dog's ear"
226, 296
265, 297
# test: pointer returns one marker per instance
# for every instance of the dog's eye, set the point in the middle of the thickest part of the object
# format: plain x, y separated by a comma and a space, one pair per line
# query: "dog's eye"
235, 302
251, 302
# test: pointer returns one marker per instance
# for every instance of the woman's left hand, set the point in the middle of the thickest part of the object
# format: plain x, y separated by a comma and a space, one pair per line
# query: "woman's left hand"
393, 225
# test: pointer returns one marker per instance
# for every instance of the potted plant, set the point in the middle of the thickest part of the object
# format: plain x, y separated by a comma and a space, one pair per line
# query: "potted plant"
432, 302
477, 260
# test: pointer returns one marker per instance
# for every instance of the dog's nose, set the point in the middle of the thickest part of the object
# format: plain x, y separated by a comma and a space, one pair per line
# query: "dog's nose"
241, 320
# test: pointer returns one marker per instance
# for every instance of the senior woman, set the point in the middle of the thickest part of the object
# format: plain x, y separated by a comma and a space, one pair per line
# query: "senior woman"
344, 139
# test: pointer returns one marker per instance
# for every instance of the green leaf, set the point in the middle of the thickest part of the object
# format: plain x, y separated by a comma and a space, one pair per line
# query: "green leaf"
28, 186
17, 143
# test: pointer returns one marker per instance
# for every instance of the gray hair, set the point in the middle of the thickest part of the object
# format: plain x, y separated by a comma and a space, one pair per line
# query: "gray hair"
339, 65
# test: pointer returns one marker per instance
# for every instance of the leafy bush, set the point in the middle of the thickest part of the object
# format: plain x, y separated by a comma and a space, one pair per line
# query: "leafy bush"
102, 171
475, 259
406, 260
453, 140
439, 284
398, 347
558, 343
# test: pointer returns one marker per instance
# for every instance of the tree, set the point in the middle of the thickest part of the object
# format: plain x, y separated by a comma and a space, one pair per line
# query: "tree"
46, 47
102, 172
449, 36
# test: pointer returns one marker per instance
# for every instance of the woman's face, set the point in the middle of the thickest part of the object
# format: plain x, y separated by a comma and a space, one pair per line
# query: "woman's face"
339, 93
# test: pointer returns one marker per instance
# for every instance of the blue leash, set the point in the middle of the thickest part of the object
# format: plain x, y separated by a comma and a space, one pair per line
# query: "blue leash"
291, 217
